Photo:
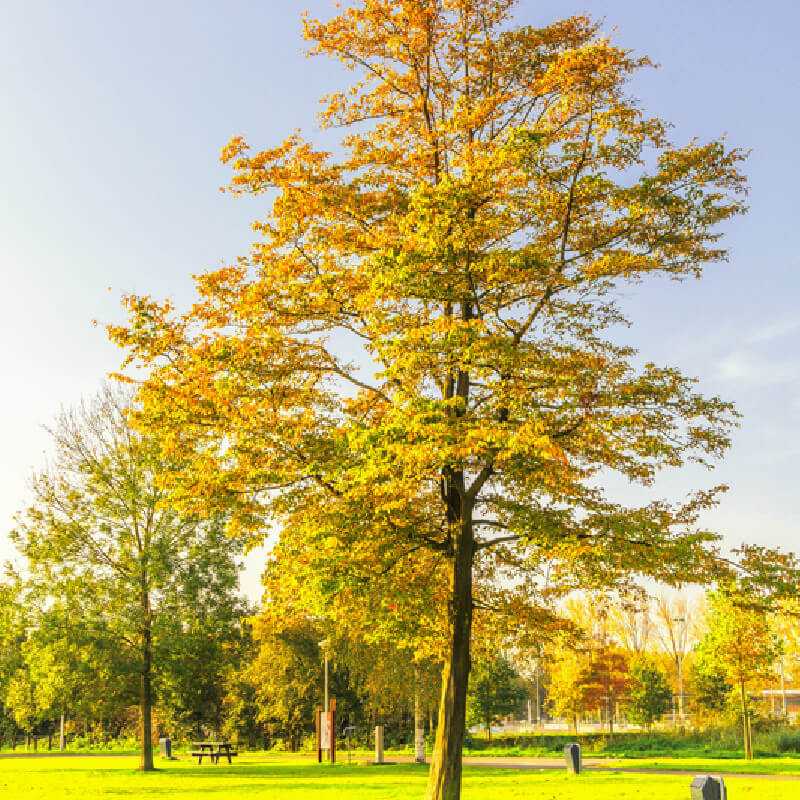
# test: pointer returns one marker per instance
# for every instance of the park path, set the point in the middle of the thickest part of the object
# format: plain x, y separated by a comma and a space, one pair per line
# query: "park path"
498, 762
595, 765
57, 754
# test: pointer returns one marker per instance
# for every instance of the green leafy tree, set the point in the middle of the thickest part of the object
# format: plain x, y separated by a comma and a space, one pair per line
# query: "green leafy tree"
54, 667
241, 713
709, 682
649, 693
13, 628
742, 644
495, 691
202, 635
78, 669
100, 539
287, 674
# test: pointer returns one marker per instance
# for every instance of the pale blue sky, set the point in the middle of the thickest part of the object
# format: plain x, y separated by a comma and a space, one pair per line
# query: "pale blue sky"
113, 115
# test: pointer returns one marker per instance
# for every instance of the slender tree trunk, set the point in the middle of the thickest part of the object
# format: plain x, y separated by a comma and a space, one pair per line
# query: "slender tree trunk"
419, 722
611, 717
444, 781
783, 689
62, 742
146, 688
748, 743
146, 708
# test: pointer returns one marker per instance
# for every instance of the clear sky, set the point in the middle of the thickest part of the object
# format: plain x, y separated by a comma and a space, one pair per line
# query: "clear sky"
113, 115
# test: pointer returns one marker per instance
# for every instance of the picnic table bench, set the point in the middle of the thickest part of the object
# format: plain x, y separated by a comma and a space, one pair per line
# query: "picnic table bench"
213, 750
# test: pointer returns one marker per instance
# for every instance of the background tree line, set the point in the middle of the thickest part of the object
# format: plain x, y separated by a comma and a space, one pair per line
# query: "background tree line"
126, 620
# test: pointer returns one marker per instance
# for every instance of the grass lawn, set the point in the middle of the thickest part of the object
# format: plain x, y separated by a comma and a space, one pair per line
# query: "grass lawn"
716, 766
88, 777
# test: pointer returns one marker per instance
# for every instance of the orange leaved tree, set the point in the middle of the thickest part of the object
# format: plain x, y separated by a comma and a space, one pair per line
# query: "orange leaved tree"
412, 370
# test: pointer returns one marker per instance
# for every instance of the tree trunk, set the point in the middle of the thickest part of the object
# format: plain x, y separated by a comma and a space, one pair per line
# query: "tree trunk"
146, 689
146, 710
746, 733
62, 742
419, 722
610, 718
783, 689
444, 781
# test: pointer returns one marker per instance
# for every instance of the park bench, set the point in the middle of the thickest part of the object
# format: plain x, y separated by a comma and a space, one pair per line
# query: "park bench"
213, 751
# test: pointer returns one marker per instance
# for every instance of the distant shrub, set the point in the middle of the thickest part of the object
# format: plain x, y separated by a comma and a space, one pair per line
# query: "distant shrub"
786, 741
718, 742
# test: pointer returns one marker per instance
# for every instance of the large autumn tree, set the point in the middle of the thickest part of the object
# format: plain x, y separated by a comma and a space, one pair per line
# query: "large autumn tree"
414, 368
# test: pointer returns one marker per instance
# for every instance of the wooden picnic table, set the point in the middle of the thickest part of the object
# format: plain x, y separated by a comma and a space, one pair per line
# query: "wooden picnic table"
213, 750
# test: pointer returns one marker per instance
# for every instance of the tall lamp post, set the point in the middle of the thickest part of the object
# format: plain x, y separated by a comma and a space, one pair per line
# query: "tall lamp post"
326, 717
679, 654
324, 646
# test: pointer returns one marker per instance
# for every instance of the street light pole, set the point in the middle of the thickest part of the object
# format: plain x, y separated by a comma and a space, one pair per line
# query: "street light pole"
680, 643
324, 646
326, 682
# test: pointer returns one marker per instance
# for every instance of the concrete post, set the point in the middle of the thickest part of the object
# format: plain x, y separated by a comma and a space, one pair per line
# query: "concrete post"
706, 787
572, 755
379, 744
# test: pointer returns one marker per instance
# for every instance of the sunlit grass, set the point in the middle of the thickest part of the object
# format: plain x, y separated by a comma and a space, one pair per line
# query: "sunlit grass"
759, 766
299, 778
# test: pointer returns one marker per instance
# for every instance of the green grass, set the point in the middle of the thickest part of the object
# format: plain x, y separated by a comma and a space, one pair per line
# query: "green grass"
294, 778
758, 766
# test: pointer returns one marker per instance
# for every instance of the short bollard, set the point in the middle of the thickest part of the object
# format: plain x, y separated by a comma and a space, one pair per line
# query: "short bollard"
379, 744
705, 787
572, 755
